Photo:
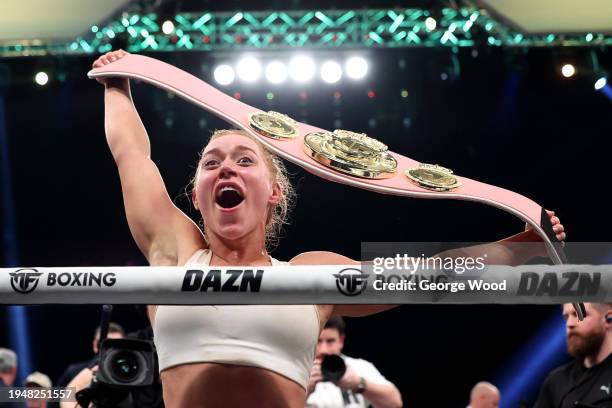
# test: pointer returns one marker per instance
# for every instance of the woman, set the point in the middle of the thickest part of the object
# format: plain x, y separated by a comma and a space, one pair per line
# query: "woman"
214, 356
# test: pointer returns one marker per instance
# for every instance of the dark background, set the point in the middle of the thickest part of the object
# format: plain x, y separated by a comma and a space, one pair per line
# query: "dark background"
509, 119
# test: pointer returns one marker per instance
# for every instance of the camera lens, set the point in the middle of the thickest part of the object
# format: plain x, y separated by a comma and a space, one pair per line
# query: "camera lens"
333, 368
125, 366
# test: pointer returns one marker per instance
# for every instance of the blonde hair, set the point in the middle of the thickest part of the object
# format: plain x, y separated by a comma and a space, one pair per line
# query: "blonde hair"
279, 214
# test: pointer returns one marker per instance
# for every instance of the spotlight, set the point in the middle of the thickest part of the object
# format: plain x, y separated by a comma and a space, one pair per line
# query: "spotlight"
430, 23
568, 70
331, 72
276, 72
301, 68
600, 83
168, 27
249, 69
356, 67
41, 78
224, 74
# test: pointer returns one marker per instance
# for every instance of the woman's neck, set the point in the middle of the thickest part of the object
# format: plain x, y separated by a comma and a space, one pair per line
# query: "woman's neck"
246, 250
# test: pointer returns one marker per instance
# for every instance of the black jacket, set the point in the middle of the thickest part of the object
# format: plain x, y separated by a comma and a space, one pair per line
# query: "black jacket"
573, 383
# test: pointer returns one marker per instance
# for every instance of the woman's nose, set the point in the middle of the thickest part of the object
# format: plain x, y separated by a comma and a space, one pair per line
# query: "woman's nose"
227, 169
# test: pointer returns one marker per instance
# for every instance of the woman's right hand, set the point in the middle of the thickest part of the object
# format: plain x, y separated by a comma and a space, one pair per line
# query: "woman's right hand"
107, 59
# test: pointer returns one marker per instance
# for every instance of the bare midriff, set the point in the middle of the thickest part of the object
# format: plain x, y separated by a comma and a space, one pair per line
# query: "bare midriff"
224, 385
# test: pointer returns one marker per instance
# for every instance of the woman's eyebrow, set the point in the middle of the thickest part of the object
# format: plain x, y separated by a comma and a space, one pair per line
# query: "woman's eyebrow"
241, 147
217, 151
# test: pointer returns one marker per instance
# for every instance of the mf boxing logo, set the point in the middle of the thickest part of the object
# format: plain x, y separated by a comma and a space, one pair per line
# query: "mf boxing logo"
25, 280
232, 280
351, 281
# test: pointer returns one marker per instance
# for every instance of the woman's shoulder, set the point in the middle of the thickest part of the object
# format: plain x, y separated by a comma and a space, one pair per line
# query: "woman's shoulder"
322, 258
196, 256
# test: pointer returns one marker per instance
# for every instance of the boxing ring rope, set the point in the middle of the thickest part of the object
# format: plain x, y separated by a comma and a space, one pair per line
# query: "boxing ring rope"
312, 284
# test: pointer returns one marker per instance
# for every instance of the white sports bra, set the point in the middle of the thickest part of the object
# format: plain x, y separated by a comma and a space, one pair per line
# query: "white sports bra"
280, 338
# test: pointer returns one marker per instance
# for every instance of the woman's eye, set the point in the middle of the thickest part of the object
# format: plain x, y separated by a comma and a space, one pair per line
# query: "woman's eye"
210, 162
245, 160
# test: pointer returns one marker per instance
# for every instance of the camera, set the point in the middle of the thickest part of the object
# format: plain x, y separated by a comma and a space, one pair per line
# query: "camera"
333, 368
124, 366
126, 362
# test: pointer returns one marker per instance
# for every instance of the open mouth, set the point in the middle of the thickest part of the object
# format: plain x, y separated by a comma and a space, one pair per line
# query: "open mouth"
229, 197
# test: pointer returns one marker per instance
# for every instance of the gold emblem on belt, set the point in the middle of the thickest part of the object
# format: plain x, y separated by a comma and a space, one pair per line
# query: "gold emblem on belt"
353, 153
273, 124
433, 177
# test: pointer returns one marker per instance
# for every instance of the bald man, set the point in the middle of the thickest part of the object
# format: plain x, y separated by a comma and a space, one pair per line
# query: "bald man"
484, 395
586, 381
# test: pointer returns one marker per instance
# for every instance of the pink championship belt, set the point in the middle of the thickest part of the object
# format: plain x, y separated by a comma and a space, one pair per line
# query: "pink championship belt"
410, 179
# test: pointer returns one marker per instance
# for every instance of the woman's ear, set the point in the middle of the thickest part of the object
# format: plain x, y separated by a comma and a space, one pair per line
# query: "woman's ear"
194, 199
277, 194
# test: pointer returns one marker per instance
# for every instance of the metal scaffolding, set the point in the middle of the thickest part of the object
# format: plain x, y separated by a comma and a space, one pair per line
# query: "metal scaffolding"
319, 29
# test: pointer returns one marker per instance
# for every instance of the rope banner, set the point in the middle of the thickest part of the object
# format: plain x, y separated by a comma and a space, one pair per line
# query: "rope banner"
312, 284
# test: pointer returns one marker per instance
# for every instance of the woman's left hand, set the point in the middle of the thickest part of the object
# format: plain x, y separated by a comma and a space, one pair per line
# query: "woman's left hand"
557, 227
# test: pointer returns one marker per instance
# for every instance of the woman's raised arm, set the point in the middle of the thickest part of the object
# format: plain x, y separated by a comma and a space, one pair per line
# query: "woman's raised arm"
163, 233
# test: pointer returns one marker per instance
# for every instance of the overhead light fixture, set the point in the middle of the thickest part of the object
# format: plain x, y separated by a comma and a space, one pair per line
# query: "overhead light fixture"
302, 68
276, 72
224, 74
41, 78
249, 69
431, 23
600, 83
168, 27
568, 70
356, 67
331, 72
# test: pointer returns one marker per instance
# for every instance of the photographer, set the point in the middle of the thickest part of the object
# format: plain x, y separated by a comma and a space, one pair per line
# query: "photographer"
361, 384
125, 377
115, 331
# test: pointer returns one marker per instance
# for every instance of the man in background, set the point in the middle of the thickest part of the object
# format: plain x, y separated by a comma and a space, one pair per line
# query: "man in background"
484, 395
37, 379
8, 371
8, 367
361, 385
586, 381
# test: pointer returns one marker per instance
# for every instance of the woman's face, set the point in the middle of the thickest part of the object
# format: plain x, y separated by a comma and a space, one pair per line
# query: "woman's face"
234, 187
